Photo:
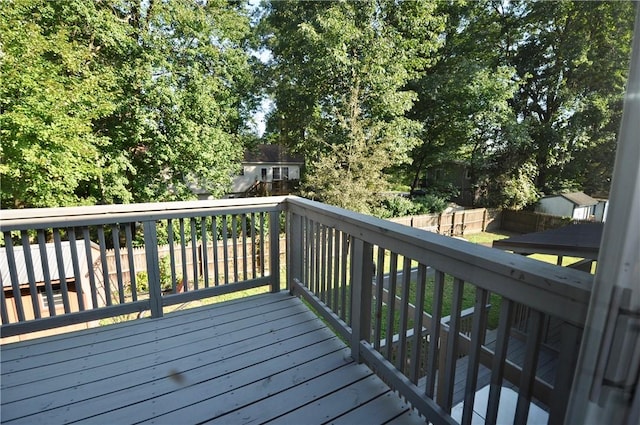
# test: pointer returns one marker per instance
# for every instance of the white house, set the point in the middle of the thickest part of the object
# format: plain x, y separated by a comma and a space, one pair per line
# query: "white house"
576, 205
267, 170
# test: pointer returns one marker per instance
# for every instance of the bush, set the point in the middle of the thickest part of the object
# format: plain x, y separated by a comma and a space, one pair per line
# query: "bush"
399, 206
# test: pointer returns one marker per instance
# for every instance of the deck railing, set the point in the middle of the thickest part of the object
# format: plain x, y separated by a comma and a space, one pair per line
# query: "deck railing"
58, 271
345, 263
383, 287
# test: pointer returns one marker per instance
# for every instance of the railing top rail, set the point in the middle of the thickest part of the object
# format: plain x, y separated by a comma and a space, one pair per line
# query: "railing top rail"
35, 218
559, 291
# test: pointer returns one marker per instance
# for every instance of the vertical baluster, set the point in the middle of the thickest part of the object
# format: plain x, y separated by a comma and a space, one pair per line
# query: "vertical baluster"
172, 255
243, 217
274, 250
434, 333
234, 245
391, 309
153, 268
225, 250
194, 256
449, 369
329, 267
295, 250
61, 270
344, 256
3, 304
216, 260
401, 360
26, 249
477, 339
183, 255
253, 246
316, 260
44, 260
205, 251
13, 273
416, 342
76, 267
106, 279
336, 271
116, 251
312, 257
377, 329
499, 359
132, 266
307, 252
528, 376
323, 263
262, 253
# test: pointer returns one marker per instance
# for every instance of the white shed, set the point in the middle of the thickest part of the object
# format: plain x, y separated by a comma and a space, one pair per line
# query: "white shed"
576, 205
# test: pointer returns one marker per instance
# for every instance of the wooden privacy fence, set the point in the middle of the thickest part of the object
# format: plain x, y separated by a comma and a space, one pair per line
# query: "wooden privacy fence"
455, 223
231, 263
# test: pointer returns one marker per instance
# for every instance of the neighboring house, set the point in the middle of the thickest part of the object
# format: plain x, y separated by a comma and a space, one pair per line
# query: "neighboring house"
267, 170
576, 205
55, 264
450, 174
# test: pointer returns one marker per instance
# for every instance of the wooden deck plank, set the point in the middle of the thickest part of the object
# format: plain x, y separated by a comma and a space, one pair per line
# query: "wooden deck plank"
409, 417
138, 332
253, 410
262, 358
211, 399
332, 404
383, 408
112, 373
101, 396
91, 362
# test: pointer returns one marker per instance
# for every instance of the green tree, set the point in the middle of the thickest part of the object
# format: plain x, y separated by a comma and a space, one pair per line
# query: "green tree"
572, 60
115, 101
52, 89
340, 71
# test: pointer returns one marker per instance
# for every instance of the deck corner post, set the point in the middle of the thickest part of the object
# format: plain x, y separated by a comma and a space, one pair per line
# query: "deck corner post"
153, 268
362, 278
295, 243
274, 250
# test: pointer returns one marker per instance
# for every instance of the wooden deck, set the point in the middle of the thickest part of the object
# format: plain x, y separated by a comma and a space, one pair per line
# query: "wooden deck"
260, 359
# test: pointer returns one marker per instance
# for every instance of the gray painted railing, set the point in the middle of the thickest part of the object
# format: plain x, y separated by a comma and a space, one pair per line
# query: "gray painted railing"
339, 261
343, 263
62, 252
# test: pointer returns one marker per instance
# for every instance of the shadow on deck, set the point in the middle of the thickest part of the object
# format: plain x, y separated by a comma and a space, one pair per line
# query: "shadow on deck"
260, 359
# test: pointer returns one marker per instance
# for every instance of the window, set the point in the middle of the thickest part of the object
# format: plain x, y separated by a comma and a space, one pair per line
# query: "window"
276, 173
263, 173
285, 173
57, 298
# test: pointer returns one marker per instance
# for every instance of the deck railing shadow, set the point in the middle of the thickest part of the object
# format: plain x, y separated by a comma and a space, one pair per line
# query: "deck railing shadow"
348, 266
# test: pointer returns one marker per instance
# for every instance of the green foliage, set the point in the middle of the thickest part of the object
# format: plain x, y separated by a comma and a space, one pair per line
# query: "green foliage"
399, 206
339, 73
113, 101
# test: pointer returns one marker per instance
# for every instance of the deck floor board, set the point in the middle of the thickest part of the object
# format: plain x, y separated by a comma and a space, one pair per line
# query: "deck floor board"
248, 361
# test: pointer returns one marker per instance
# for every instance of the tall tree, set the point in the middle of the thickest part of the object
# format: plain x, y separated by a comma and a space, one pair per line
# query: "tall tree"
120, 101
573, 59
340, 71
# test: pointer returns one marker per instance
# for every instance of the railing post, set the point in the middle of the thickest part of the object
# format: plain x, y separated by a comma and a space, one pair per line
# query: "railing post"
153, 268
295, 249
274, 250
361, 279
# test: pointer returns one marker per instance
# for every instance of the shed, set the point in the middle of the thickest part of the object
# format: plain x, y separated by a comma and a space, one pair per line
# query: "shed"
49, 272
576, 205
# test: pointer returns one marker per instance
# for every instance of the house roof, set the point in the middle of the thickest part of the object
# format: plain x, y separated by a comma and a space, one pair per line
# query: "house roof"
51, 262
579, 199
271, 153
